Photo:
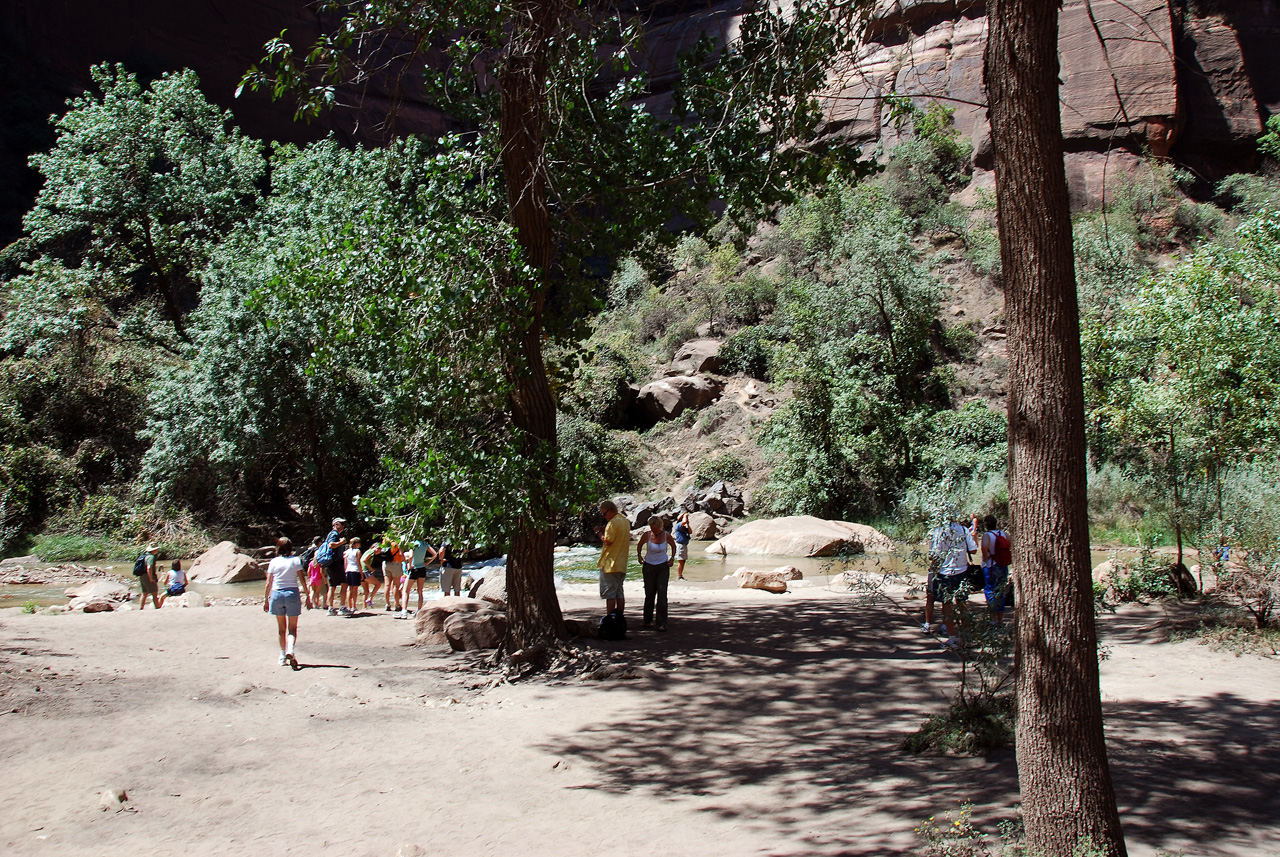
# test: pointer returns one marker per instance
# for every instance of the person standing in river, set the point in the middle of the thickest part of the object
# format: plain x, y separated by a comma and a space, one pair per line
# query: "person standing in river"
654, 551
283, 599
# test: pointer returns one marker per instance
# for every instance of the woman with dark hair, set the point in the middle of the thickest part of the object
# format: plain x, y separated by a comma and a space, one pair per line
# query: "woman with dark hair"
282, 598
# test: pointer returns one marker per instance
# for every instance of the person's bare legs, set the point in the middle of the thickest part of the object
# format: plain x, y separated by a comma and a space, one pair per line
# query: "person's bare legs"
282, 628
680, 569
612, 604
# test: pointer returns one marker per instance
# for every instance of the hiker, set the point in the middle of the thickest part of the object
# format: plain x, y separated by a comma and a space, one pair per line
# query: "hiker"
314, 575
949, 547
282, 598
371, 563
353, 578
420, 557
682, 533
615, 538
654, 553
330, 557
394, 568
177, 584
450, 570
145, 570
997, 553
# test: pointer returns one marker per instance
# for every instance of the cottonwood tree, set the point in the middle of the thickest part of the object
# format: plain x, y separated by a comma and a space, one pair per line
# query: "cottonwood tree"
553, 91
140, 187
1067, 794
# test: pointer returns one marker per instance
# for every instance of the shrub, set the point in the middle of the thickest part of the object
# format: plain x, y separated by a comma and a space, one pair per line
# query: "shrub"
593, 462
748, 351
726, 466
749, 298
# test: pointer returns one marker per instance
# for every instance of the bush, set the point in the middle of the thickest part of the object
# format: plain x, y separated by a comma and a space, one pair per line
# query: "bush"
592, 461
748, 351
726, 466
749, 298
1249, 195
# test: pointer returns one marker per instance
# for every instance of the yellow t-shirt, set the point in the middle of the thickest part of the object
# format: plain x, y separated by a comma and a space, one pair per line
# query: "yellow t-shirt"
613, 557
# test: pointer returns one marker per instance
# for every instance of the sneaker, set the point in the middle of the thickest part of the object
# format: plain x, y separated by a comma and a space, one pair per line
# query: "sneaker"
282, 660
388, 608
293, 661
926, 627
951, 643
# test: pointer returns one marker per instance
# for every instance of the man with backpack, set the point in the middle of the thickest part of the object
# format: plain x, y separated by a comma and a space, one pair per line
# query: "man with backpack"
144, 568
997, 554
949, 547
329, 555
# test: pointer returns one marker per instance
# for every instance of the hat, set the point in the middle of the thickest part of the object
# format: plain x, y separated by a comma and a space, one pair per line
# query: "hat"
342, 521
152, 549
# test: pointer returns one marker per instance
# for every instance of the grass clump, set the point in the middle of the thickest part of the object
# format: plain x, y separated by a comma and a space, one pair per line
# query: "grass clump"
967, 728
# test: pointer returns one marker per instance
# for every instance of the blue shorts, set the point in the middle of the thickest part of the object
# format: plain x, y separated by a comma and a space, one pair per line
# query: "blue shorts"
354, 578
996, 586
285, 602
176, 589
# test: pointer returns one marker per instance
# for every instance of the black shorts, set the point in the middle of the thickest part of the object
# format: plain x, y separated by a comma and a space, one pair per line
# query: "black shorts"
354, 578
946, 587
417, 574
335, 573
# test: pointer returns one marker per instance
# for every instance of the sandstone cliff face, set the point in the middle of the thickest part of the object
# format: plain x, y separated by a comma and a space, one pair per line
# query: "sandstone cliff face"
1194, 82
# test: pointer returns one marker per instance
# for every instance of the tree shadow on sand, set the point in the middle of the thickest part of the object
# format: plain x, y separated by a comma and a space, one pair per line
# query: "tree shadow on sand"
787, 719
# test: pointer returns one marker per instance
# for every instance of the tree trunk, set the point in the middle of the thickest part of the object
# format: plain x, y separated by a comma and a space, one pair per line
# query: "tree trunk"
1067, 795
533, 607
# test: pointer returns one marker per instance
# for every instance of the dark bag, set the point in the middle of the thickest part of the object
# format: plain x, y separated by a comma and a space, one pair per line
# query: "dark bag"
140, 566
613, 626
977, 580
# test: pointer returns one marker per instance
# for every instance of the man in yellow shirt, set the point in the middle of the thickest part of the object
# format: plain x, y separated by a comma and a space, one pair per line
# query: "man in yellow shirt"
616, 538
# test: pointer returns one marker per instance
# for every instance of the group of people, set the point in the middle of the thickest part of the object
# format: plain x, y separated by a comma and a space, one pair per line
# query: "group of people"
655, 551
951, 577
149, 581
335, 575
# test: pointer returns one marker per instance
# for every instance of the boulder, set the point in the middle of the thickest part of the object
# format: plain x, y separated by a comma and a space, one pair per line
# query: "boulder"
790, 572
225, 563
640, 515
30, 559
472, 631
702, 526
428, 623
697, 355
493, 589
97, 596
99, 588
186, 599
769, 581
801, 535
668, 398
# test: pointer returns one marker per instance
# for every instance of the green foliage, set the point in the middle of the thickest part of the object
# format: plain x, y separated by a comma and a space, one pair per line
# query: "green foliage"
30, 607
1249, 195
968, 729
1145, 580
78, 547
925, 169
725, 466
748, 351
856, 308
600, 391
140, 187
598, 462
1269, 143
1250, 509
748, 299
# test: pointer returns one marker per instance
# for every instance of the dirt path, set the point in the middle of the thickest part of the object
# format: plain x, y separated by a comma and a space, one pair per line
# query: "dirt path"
771, 728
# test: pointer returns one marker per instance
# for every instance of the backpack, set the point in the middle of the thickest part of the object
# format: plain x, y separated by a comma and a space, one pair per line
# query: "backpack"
1003, 552
140, 566
613, 626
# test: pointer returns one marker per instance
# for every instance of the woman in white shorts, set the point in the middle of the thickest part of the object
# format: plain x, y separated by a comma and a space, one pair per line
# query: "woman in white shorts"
284, 599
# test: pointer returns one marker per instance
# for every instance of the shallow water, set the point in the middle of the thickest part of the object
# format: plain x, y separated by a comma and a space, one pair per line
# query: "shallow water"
575, 564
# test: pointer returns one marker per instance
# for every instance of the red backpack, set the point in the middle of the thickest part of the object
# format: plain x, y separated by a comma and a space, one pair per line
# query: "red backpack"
1003, 552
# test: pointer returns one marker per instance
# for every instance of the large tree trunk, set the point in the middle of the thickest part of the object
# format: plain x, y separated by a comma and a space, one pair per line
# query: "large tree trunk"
533, 607
1067, 795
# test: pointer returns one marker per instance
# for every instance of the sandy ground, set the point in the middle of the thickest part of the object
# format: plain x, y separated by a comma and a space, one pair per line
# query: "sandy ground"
771, 728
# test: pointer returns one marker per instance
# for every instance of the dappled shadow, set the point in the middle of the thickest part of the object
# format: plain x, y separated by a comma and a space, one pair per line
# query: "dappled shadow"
1204, 770
788, 718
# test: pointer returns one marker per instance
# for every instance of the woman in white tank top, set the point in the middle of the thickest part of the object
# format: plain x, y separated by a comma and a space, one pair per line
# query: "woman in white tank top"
654, 551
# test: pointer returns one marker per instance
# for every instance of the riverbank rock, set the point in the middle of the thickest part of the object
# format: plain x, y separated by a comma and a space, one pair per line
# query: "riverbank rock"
668, 398
769, 581
474, 631
493, 588
702, 526
225, 563
428, 622
54, 575
801, 535
186, 599
97, 596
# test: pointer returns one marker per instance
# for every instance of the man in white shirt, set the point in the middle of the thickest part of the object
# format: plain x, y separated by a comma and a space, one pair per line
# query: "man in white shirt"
949, 547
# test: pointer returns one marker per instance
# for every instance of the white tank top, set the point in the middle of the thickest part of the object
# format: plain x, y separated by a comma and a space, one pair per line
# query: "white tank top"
655, 552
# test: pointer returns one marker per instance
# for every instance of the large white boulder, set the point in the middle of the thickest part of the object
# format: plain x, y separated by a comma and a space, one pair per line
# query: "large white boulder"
801, 535
224, 563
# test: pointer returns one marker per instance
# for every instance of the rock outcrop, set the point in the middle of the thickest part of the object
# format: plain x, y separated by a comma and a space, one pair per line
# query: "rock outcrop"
668, 398
463, 624
801, 535
225, 563
768, 581
695, 356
